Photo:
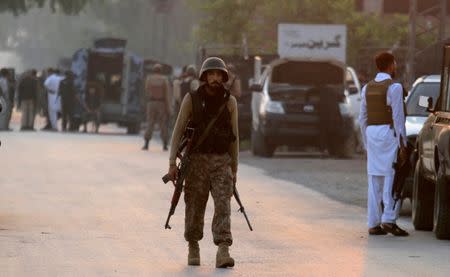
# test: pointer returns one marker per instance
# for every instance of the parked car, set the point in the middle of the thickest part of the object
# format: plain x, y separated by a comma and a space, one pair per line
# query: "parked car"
431, 187
425, 86
286, 106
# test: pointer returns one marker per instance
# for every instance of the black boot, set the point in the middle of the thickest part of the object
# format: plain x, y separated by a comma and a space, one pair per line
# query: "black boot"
145, 147
165, 147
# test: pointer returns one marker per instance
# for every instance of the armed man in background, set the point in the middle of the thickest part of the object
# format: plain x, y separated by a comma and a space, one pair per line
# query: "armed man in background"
214, 163
234, 82
158, 105
382, 121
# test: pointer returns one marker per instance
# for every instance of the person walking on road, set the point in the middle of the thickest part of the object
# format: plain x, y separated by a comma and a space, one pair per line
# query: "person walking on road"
158, 105
54, 102
382, 121
68, 96
4, 100
27, 99
213, 166
92, 105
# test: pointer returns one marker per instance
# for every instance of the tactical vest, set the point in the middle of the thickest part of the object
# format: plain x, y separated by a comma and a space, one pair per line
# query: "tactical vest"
378, 112
185, 88
156, 89
221, 134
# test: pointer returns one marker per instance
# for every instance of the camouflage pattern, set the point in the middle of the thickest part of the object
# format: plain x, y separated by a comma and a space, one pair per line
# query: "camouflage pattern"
209, 173
157, 113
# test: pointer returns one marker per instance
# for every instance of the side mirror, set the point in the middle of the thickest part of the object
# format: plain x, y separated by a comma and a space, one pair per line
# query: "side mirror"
426, 102
352, 89
256, 88
430, 107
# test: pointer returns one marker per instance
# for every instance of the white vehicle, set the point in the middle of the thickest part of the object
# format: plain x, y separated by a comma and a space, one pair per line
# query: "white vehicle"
353, 92
423, 87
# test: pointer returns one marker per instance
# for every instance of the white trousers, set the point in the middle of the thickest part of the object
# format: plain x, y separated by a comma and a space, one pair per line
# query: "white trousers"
380, 190
53, 116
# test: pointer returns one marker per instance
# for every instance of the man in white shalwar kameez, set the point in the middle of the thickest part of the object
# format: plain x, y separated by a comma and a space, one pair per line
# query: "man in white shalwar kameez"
54, 101
382, 121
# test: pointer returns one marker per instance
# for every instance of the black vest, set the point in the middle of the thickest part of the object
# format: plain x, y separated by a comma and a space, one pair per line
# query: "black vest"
204, 108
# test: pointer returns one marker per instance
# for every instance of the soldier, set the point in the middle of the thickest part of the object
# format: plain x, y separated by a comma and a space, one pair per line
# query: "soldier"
158, 105
214, 166
382, 121
234, 83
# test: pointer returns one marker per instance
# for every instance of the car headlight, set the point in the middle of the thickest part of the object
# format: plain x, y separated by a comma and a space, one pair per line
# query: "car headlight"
344, 108
273, 107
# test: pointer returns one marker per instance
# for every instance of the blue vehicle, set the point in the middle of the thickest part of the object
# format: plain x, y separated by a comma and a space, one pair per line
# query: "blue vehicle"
121, 76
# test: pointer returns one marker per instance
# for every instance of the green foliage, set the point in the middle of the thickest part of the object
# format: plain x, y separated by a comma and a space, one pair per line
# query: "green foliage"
18, 7
225, 21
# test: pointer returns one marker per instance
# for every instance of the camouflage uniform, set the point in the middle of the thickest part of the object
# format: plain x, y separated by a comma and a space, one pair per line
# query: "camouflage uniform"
212, 172
158, 106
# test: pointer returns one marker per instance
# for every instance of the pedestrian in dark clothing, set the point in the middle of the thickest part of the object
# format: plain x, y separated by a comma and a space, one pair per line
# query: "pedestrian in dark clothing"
330, 116
92, 105
68, 96
27, 99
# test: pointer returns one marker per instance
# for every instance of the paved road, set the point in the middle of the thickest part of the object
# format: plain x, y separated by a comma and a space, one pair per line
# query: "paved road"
94, 205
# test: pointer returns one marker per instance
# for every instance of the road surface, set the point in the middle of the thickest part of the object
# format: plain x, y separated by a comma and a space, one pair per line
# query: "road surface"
94, 205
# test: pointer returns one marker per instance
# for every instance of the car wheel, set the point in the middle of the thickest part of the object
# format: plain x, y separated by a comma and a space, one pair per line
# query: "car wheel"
422, 201
260, 147
442, 207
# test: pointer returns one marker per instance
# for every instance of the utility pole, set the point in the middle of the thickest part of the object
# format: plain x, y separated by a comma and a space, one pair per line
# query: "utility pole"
410, 73
443, 20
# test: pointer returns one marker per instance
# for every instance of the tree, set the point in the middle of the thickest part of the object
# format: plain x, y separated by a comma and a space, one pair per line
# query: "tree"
18, 7
226, 21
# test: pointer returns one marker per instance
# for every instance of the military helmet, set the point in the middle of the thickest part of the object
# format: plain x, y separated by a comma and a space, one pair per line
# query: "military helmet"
213, 63
157, 68
190, 70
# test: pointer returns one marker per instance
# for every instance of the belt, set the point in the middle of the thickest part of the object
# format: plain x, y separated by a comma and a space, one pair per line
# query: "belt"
154, 99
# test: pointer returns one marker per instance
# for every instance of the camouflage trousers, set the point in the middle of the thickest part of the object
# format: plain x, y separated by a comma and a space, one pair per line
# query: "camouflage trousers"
157, 113
209, 173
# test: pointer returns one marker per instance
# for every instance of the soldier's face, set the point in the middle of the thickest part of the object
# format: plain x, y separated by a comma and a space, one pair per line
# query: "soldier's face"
214, 78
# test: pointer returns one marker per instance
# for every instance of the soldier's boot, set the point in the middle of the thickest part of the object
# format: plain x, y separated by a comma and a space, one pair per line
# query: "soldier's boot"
194, 253
223, 259
165, 148
145, 147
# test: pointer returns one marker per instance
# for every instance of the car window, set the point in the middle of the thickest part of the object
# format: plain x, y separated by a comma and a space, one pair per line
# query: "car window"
421, 89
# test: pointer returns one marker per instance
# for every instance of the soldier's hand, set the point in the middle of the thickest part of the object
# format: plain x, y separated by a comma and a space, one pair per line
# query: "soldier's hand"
173, 172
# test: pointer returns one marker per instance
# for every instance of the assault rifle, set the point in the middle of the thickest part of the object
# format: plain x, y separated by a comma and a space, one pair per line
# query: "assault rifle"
402, 170
183, 153
241, 207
